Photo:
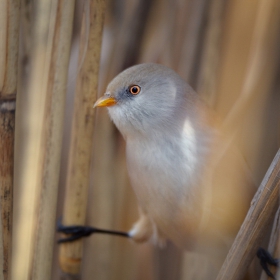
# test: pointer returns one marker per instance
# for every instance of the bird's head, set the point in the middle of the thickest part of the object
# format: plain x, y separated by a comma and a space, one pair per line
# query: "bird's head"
146, 97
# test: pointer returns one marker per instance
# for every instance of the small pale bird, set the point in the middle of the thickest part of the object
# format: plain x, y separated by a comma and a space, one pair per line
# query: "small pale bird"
191, 185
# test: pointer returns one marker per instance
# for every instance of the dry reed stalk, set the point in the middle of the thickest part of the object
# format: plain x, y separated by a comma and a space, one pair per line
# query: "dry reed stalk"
9, 45
189, 56
211, 50
238, 27
260, 57
82, 131
274, 244
262, 211
62, 11
154, 42
31, 164
127, 40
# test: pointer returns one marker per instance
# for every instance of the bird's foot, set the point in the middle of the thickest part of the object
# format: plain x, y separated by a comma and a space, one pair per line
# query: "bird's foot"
145, 231
265, 260
78, 232
142, 230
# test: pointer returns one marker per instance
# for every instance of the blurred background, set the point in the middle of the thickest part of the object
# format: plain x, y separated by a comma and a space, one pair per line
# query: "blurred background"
227, 50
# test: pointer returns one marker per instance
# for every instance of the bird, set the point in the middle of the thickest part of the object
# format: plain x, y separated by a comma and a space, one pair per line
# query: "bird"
192, 185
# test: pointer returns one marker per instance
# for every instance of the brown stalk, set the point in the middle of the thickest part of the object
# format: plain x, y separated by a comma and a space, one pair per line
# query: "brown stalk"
263, 44
9, 21
274, 245
42, 103
210, 52
82, 131
263, 208
52, 140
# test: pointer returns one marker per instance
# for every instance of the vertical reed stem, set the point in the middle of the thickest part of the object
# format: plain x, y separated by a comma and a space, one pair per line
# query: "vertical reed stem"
43, 121
52, 140
9, 22
82, 131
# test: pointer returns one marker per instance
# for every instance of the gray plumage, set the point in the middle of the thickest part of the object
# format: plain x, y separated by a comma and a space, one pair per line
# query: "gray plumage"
173, 152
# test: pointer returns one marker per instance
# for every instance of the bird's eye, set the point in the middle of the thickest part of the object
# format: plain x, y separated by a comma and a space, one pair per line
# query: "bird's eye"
134, 90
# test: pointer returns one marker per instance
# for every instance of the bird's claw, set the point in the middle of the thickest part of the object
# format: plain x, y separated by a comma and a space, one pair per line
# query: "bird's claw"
75, 232
265, 259
78, 232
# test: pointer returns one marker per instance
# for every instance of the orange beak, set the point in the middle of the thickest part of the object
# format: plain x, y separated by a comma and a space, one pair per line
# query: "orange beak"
105, 101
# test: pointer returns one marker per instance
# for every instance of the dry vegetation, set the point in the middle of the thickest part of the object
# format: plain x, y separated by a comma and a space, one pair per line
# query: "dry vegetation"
65, 154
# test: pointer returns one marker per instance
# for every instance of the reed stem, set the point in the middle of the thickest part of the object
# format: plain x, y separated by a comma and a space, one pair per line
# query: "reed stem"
263, 208
78, 178
9, 43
